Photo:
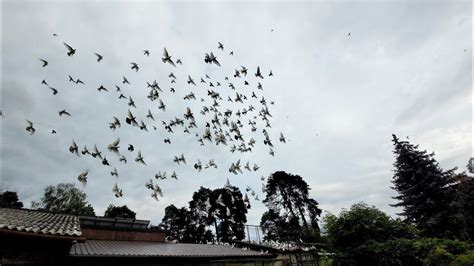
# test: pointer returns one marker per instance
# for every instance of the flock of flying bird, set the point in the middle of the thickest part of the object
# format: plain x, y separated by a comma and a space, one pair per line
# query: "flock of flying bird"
234, 129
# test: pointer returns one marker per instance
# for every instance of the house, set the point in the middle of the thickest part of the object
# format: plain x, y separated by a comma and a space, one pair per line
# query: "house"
40, 237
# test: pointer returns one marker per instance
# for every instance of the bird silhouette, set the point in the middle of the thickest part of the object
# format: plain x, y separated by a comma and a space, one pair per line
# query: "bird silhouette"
139, 158
114, 172
73, 148
167, 58
82, 177
102, 88
191, 81
96, 153
114, 146
55, 91
45, 63
71, 51
99, 57
146, 52
117, 191
64, 112
125, 80
211, 58
134, 66
220, 46
258, 74
30, 127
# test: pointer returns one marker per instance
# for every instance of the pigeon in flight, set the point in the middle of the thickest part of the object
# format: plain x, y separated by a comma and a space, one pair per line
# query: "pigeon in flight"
167, 58
282, 138
114, 146
122, 159
220, 46
131, 102
105, 162
115, 123
179, 62
125, 80
102, 88
174, 175
117, 191
30, 127
146, 52
139, 158
134, 66
82, 177
99, 57
45, 63
114, 172
191, 81
96, 153
211, 58
130, 119
73, 148
258, 74
85, 151
150, 115
64, 112
55, 91
71, 51
243, 70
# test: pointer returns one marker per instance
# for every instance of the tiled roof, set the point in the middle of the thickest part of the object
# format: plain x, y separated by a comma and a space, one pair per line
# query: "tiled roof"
158, 249
39, 222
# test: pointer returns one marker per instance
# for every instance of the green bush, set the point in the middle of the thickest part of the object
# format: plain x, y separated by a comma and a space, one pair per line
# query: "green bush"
439, 257
464, 259
424, 251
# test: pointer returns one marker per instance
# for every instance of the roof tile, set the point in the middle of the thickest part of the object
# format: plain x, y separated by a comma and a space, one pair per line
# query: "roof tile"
39, 222
157, 249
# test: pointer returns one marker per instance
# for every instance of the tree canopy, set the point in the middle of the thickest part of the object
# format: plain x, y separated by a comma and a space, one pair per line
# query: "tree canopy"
425, 191
10, 199
119, 212
291, 211
222, 208
65, 198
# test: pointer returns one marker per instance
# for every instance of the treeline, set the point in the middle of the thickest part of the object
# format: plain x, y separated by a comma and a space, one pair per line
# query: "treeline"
65, 198
291, 216
436, 225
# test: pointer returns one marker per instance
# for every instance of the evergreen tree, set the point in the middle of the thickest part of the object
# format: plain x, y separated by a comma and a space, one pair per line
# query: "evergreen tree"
287, 195
229, 213
425, 191
174, 223
465, 206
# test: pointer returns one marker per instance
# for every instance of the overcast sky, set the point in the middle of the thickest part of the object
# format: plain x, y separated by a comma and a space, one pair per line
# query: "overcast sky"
406, 69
